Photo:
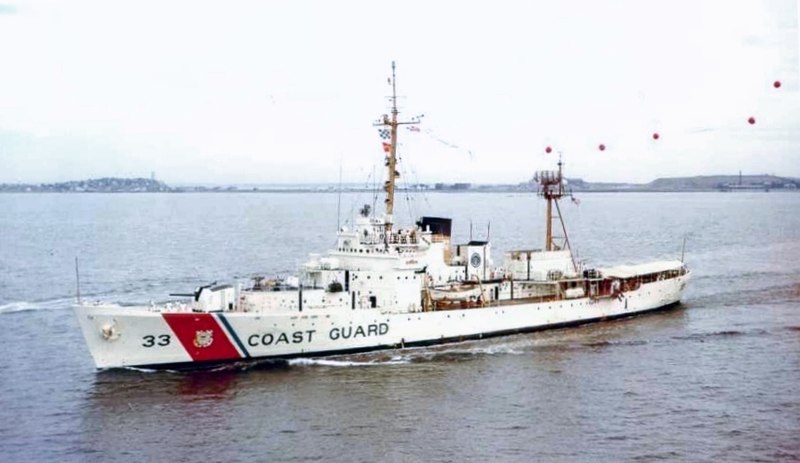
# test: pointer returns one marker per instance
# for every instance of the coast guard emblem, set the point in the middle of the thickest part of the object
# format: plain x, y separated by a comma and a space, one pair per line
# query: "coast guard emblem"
203, 338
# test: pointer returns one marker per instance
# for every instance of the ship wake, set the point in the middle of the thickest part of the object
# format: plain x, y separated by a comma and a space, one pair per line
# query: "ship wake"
304, 362
27, 306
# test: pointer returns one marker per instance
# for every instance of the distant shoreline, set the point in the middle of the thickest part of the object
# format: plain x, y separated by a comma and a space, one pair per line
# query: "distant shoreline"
472, 191
719, 183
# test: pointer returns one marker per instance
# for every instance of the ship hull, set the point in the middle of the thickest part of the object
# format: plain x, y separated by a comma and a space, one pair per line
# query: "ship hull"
137, 337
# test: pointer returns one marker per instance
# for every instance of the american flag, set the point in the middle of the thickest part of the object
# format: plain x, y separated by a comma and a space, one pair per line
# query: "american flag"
385, 133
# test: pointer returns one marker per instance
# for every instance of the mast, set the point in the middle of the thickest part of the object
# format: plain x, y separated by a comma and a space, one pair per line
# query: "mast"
551, 187
391, 156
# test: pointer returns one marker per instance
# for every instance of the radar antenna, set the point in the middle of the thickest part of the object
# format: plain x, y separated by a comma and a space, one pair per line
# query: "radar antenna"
551, 187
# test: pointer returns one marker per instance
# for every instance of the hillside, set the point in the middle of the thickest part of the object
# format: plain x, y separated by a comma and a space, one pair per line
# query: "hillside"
722, 182
697, 183
97, 185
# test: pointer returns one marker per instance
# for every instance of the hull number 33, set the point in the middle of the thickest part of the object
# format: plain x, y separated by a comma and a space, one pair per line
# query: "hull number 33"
152, 341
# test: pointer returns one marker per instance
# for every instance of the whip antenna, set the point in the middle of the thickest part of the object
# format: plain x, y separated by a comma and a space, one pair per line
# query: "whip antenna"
683, 248
339, 200
77, 281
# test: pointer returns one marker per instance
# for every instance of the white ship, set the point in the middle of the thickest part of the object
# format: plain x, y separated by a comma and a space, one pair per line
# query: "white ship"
383, 287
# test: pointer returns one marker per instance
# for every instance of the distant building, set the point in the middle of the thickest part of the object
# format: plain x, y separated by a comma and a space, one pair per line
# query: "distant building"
454, 186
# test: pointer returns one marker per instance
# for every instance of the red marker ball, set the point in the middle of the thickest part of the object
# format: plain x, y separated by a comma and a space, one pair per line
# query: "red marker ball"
656, 136
751, 121
548, 150
602, 147
777, 84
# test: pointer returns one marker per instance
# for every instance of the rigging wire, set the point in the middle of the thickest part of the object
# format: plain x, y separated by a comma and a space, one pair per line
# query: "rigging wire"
424, 192
407, 188
374, 189
433, 136
357, 199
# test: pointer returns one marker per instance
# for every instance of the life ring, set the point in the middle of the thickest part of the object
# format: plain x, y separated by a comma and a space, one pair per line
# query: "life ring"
109, 331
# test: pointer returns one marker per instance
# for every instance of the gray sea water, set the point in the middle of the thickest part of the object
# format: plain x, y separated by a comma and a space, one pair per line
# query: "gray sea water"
717, 379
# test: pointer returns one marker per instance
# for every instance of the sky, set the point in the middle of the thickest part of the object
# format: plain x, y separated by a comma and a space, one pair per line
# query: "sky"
273, 92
